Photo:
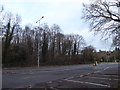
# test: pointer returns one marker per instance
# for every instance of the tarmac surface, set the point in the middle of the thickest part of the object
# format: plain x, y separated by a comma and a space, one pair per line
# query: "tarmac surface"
104, 75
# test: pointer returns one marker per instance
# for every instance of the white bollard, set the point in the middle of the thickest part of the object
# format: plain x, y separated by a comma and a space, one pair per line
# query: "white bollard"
96, 63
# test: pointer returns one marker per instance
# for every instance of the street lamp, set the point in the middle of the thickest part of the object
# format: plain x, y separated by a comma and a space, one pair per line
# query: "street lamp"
39, 20
39, 42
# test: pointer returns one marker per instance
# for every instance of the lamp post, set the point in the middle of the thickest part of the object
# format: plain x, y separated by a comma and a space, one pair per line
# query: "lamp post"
39, 42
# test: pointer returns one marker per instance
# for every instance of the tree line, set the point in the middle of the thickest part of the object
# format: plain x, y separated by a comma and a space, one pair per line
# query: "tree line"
22, 46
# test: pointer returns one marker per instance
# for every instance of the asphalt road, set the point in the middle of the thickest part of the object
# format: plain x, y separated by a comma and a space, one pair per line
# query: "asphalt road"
104, 75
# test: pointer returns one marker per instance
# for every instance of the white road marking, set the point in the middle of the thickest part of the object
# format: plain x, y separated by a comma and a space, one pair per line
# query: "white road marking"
49, 82
81, 75
101, 71
104, 78
110, 75
88, 74
106, 68
89, 83
97, 71
69, 78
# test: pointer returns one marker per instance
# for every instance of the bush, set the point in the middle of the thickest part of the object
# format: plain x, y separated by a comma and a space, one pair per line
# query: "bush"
17, 55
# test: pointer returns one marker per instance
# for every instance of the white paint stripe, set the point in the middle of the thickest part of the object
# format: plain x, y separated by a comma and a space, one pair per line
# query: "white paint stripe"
104, 78
52, 88
103, 70
110, 75
69, 78
81, 75
106, 68
49, 82
97, 71
89, 83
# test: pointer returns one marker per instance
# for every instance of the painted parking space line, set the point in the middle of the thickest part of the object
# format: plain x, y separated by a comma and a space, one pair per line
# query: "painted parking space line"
81, 75
102, 85
51, 88
104, 78
102, 70
68, 78
74, 77
97, 71
109, 75
106, 68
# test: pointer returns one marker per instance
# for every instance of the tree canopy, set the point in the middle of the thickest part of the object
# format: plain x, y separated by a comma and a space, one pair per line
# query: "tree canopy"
103, 16
21, 44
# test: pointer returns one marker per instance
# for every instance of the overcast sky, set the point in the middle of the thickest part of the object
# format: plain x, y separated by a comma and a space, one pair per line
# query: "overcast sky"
66, 13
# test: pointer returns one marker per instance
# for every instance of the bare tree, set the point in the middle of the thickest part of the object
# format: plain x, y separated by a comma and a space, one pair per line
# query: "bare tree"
55, 39
1, 22
116, 40
88, 54
12, 22
103, 16
78, 43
